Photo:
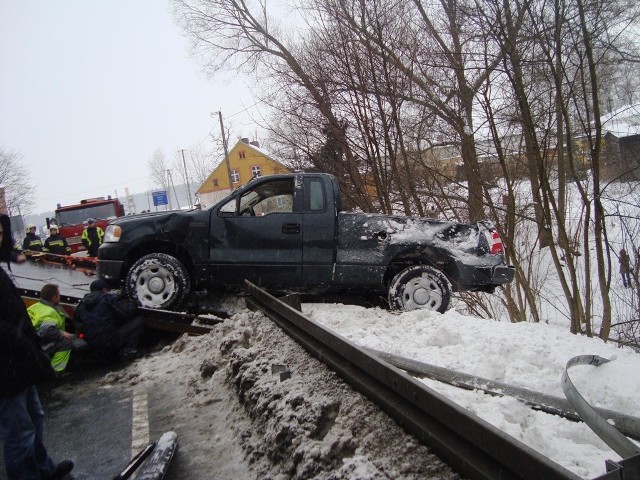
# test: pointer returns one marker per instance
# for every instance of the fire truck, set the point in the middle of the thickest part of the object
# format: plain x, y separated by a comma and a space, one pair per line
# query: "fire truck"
72, 219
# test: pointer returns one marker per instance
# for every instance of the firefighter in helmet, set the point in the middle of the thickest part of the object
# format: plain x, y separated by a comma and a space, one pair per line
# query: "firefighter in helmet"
92, 237
32, 241
56, 243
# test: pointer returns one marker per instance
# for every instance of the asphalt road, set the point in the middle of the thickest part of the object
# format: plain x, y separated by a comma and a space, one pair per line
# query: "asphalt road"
89, 425
97, 427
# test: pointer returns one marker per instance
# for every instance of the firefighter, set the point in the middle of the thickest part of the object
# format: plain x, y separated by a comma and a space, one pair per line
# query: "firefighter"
92, 237
55, 243
32, 241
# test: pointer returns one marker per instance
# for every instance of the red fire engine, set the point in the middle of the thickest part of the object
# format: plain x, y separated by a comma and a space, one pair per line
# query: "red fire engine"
72, 219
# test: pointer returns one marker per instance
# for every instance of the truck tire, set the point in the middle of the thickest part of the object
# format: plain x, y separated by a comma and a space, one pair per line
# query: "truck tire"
420, 287
158, 280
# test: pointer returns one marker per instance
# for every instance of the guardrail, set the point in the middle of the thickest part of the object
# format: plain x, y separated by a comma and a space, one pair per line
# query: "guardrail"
470, 445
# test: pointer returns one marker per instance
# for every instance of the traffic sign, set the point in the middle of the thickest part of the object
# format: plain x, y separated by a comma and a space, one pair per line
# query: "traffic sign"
159, 198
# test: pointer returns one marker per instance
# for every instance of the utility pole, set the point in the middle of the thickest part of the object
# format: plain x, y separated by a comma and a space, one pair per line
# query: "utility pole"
169, 189
171, 184
226, 153
186, 176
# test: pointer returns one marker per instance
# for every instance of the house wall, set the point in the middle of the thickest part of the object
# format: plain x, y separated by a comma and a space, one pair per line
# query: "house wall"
245, 159
630, 157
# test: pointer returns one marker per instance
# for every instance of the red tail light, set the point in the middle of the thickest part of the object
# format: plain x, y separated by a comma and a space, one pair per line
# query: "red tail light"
496, 247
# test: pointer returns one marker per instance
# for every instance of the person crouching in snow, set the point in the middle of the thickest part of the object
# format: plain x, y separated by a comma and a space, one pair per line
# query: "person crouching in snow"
49, 322
110, 323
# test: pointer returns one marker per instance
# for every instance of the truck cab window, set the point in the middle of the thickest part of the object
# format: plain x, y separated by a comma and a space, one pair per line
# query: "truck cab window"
268, 197
316, 196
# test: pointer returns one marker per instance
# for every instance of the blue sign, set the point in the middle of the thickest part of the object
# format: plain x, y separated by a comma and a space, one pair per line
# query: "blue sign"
159, 198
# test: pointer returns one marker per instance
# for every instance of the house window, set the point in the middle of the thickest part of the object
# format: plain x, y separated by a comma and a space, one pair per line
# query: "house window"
215, 182
235, 176
241, 154
255, 171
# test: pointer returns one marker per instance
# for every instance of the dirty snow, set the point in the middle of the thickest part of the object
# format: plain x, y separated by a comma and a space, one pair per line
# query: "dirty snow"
289, 416
312, 425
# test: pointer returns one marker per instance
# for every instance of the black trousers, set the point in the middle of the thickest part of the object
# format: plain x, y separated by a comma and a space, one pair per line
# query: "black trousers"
127, 335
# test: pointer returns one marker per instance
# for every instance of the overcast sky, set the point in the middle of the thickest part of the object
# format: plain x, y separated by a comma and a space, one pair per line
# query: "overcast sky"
90, 89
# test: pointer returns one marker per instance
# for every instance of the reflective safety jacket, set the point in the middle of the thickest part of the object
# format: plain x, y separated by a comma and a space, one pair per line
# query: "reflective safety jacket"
56, 244
32, 242
49, 323
92, 239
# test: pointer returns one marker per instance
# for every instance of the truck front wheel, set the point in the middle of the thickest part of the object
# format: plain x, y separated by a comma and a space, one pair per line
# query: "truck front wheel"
158, 280
420, 287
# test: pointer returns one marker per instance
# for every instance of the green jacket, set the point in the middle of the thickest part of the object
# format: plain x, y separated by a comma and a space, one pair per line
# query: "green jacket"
86, 238
43, 316
50, 323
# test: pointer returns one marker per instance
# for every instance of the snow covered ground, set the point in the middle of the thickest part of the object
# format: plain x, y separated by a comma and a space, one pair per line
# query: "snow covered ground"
278, 424
523, 354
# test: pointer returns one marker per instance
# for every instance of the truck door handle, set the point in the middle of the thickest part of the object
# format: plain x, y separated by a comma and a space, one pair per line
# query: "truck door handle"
290, 228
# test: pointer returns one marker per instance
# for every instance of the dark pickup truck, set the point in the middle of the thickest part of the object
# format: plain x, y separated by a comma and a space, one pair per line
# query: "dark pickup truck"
287, 233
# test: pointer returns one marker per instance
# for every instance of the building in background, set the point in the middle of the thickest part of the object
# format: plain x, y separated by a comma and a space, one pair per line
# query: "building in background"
246, 161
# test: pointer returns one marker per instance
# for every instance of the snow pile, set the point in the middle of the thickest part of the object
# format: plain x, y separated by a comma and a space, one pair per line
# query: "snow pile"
527, 355
293, 418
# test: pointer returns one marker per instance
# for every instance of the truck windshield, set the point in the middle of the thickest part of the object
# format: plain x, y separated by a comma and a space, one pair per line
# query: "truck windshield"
74, 217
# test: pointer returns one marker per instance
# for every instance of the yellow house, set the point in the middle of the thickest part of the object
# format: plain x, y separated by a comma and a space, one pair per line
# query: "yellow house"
246, 161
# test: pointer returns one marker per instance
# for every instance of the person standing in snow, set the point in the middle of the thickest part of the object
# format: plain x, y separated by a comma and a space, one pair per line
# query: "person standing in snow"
92, 238
23, 365
32, 241
625, 268
56, 243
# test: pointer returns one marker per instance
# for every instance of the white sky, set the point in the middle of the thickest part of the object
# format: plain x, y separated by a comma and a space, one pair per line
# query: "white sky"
89, 90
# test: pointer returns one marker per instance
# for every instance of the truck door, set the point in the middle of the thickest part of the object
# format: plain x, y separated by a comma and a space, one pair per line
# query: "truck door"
258, 236
319, 231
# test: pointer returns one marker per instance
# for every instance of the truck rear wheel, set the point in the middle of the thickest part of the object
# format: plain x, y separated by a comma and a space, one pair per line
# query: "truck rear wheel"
158, 280
420, 287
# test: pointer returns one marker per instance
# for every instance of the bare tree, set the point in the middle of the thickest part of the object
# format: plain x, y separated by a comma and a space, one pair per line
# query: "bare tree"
230, 33
375, 89
14, 178
158, 169
193, 167
553, 55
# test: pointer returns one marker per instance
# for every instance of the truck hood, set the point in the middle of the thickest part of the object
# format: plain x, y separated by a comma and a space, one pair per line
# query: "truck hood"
147, 215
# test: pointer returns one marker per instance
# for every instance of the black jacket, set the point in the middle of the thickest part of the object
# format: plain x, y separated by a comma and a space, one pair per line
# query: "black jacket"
56, 244
22, 361
101, 314
32, 242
